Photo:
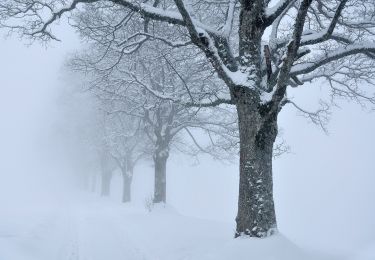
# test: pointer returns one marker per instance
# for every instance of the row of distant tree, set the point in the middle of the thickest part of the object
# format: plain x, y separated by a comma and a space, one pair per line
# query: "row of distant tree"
140, 110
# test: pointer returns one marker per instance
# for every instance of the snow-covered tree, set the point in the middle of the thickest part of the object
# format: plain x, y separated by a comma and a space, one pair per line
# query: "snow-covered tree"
127, 145
103, 151
80, 134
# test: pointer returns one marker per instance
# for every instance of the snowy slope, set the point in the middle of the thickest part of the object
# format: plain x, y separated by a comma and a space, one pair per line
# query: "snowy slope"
99, 229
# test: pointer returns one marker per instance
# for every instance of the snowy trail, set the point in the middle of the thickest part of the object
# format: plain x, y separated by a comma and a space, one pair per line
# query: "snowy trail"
78, 232
97, 229
91, 233
98, 236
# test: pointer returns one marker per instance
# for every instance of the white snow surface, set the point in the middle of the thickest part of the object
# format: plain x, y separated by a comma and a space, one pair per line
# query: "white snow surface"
93, 228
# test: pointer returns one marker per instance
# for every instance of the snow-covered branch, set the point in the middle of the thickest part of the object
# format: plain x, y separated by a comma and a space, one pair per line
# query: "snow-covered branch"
319, 61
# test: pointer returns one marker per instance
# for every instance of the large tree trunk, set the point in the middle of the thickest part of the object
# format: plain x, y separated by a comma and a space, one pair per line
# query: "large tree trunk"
256, 211
106, 183
160, 189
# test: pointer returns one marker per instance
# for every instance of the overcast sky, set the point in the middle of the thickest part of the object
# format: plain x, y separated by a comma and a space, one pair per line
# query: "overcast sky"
323, 188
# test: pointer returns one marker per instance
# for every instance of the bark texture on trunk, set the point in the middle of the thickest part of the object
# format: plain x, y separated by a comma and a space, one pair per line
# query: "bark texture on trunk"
160, 189
106, 184
257, 128
256, 212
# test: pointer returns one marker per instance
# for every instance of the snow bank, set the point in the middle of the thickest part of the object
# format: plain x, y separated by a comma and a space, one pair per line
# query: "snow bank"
274, 248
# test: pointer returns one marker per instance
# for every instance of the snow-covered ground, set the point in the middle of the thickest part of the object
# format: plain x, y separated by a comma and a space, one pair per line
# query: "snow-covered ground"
93, 228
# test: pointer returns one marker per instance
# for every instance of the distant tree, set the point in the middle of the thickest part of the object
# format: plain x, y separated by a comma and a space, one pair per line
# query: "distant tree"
80, 138
127, 145
331, 40
107, 164
106, 171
